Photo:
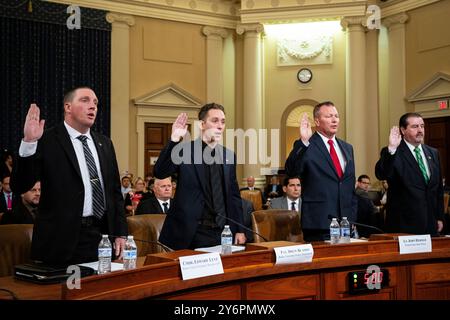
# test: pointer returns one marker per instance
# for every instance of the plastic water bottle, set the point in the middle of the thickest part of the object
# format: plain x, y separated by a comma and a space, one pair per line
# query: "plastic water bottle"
226, 240
104, 255
129, 254
345, 230
335, 231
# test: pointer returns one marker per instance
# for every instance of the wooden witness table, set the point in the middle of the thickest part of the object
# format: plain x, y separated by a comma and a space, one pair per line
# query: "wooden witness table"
252, 275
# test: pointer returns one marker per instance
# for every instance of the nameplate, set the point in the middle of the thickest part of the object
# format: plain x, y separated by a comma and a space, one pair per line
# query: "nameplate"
200, 265
414, 244
294, 254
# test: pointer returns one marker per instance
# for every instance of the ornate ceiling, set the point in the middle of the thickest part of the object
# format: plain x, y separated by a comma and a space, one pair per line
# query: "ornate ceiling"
228, 13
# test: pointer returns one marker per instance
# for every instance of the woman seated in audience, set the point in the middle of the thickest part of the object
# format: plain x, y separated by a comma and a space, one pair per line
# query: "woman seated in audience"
133, 197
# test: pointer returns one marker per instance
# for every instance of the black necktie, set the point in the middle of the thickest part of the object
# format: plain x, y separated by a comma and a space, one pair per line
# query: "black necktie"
293, 206
98, 201
165, 204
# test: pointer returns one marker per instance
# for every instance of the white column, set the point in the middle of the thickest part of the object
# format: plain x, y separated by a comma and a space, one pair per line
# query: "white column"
252, 88
372, 133
120, 86
397, 66
214, 63
356, 116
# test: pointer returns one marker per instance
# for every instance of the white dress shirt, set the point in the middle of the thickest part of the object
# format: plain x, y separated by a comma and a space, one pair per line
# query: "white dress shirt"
289, 201
161, 204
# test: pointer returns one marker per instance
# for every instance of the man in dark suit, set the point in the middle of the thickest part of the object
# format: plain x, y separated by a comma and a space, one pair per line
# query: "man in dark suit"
25, 209
412, 169
80, 184
207, 196
251, 186
326, 167
7, 197
160, 202
274, 189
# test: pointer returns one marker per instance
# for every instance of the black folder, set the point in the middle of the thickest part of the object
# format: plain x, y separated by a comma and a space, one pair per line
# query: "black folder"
47, 274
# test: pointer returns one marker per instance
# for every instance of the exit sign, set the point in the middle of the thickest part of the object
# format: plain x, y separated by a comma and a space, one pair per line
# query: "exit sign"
443, 104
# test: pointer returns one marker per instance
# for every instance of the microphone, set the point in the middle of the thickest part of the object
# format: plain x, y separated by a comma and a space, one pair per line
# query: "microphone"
330, 217
166, 248
243, 226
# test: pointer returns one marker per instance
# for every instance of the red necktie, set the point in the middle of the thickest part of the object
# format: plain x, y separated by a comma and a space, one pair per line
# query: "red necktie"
9, 201
334, 157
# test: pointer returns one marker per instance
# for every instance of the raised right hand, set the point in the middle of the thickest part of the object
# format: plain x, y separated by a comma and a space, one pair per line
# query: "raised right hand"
34, 127
305, 128
394, 138
179, 127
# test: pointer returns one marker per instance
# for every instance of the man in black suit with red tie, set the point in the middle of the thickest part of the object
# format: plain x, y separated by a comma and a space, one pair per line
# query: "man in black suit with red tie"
415, 197
207, 196
326, 167
80, 184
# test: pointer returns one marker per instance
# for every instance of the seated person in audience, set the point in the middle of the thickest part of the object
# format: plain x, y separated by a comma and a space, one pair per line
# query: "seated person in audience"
24, 211
251, 186
292, 187
126, 185
7, 197
247, 209
174, 186
161, 201
133, 198
367, 212
6, 164
274, 189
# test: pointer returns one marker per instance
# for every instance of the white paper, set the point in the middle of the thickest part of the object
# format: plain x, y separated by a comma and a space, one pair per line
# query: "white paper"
294, 254
414, 244
94, 265
219, 249
200, 265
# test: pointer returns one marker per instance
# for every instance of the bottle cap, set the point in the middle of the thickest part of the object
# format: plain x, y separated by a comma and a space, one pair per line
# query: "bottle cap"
130, 237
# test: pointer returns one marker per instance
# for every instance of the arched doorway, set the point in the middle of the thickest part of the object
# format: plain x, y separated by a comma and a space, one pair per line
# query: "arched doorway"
290, 122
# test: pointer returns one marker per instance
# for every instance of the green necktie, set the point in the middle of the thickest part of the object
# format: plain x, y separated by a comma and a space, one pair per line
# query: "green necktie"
421, 164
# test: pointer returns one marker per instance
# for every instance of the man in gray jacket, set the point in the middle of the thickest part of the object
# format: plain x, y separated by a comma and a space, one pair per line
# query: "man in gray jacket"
292, 188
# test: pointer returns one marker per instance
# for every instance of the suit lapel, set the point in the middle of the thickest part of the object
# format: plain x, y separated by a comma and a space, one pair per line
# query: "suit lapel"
317, 140
64, 139
347, 156
412, 162
430, 160
285, 205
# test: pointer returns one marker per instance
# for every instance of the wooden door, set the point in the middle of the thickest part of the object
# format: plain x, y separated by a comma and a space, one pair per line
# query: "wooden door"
437, 135
156, 137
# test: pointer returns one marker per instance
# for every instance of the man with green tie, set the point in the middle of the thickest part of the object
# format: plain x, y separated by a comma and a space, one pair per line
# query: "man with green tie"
415, 195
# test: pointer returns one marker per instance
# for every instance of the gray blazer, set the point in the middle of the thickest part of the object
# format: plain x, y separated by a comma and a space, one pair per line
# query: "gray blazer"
281, 203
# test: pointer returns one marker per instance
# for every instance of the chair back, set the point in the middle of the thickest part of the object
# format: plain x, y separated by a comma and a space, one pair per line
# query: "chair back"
254, 196
15, 246
146, 227
277, 225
